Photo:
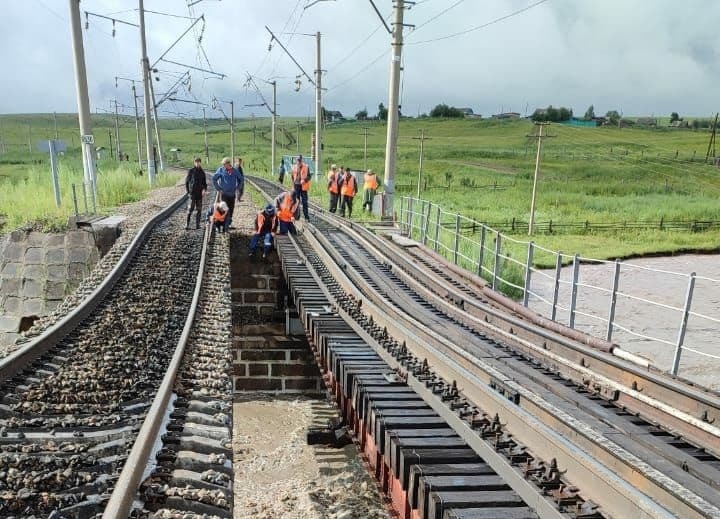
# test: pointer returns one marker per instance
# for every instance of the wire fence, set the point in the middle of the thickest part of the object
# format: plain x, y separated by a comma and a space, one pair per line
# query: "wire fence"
652, 311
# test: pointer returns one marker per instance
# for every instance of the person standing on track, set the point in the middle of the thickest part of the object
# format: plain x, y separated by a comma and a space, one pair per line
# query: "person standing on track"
301, 183
370, 186
230, 183
266, 226
333, 187
286, 205
348, 188
196, 188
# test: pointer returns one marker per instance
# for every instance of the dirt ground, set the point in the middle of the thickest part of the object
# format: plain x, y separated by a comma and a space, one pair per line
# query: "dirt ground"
279, 476
663, 284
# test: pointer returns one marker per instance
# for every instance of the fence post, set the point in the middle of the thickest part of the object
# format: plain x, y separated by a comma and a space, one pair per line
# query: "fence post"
496, 266
556, 290
410, 217
426, 221
683, 324
613, 301
528, 270
437, 230
402, 205
457, 239
481, 250
573, 300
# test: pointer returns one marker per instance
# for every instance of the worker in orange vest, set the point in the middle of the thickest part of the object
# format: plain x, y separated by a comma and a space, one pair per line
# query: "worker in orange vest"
266, 225
216, 216
301, 183
286, 205
348, 188
370, 186
333, 187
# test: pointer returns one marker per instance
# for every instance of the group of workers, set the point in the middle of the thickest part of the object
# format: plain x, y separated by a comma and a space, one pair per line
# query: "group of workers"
277, 217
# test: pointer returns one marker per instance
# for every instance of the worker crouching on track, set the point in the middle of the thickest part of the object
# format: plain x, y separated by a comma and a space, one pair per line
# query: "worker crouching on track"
217, 216
266, 226
286, 205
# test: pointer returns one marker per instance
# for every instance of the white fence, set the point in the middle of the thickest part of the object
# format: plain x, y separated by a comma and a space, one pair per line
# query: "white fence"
648, 311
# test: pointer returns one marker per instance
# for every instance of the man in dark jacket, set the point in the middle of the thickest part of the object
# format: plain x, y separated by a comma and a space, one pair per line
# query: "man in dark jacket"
231, 185
196, 188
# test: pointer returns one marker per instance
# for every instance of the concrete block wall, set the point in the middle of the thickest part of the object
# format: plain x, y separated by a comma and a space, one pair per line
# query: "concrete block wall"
274, 362
37, 271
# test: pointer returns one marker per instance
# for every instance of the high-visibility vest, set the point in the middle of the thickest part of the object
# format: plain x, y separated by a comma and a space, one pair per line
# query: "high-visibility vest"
333, 182
371, 181
348, 187
286, 210
301, 175
260, 222
218, 216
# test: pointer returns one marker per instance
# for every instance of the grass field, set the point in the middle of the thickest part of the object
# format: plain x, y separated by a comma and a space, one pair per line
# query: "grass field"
482, 169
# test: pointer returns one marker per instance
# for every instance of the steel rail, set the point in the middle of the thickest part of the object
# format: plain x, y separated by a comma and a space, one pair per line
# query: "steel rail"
20, 358
124, 493
656, 396
555, 429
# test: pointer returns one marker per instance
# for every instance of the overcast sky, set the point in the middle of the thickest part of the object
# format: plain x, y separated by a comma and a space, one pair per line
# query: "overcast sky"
638, 57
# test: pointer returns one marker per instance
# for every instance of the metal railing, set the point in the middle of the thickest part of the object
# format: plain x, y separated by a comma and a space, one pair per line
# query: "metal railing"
648, 310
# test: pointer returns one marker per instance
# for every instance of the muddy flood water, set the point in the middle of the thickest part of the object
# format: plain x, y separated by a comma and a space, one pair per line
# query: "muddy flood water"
641, 327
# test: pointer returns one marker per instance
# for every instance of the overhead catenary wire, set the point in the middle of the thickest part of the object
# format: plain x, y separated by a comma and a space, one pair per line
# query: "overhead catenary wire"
478, 27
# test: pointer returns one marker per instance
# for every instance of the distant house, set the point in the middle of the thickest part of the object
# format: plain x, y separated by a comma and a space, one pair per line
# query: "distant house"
574, 121
647, 121
468, 112
506, 115
680, 124
332, 116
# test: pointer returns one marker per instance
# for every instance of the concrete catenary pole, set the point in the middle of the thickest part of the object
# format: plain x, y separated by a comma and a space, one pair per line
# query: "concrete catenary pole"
232, 131
318, 108
83, 100
118, 151
207, 152
273, 127
535, 179
155, 119
393, 114
145, 64
137, 127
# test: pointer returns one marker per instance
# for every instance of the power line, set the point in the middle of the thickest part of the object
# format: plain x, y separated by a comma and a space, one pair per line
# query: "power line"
439, 14
497, 20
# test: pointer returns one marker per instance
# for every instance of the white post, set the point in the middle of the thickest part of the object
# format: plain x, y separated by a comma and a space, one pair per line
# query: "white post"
393, 115
613, 301
54, 172
573, 295
145, 65
683, 324
528, 271
81, 88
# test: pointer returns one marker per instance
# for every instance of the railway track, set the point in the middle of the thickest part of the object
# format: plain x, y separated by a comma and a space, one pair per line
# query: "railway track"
608, 439
123, 408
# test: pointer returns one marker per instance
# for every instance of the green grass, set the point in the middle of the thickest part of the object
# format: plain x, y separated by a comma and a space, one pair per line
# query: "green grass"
482, 169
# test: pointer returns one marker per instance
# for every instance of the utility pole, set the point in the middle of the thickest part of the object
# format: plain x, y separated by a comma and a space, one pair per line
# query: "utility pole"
297, 133
145, 64
535, 177
393, 115
155, 119
110, 140
117, 134
55, 124
365, 134
422, 139
137, 127
29, 137
207, 154
272, 128
318, 108
232, 131
711, 144
83, 100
